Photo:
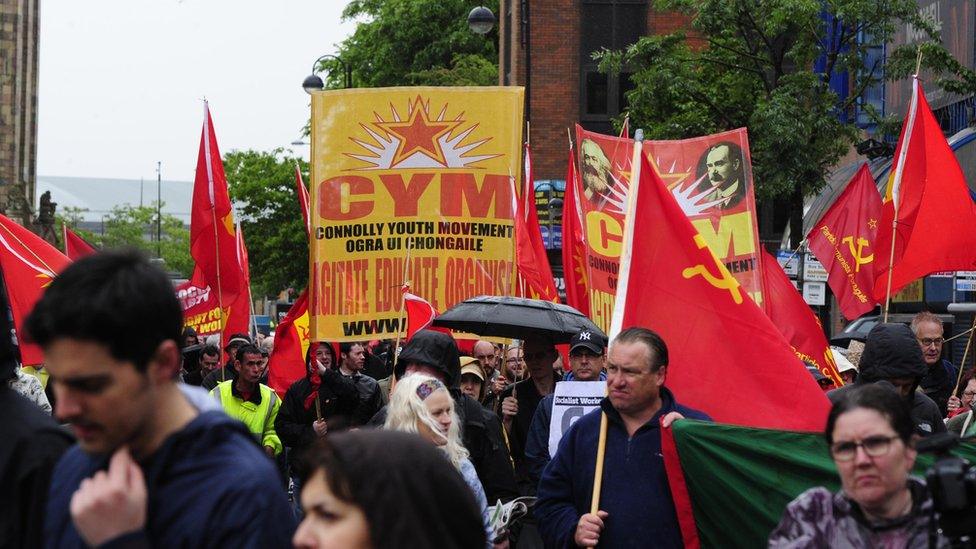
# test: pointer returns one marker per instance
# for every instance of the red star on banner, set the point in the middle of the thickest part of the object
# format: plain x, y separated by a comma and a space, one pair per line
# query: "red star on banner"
418, 133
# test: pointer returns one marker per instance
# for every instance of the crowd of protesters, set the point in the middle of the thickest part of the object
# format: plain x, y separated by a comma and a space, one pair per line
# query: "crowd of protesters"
177, 442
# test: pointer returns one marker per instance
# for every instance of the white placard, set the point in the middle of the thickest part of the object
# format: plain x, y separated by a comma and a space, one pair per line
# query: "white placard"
571, 401
815, 293
813, 270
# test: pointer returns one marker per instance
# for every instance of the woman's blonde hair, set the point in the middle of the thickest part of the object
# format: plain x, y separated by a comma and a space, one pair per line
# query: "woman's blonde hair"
407, 407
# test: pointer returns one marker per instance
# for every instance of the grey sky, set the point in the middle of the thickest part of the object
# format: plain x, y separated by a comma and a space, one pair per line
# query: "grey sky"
121, 80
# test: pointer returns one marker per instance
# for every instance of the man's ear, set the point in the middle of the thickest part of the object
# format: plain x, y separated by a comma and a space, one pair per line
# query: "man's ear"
165, 362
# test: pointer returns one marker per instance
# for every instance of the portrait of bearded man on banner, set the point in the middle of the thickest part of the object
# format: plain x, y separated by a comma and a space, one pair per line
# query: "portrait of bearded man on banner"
722, 163
599, 185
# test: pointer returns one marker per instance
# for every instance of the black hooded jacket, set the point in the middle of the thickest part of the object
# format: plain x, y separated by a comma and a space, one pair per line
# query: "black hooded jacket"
481, 430
32, 443
891, 352
338, 400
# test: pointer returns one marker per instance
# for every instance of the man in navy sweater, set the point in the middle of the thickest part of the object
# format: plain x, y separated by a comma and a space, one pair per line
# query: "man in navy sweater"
150, 469
636, 509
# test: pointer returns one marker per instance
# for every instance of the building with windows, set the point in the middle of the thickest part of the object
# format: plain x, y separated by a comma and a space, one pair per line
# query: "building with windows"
548, 45
19, 20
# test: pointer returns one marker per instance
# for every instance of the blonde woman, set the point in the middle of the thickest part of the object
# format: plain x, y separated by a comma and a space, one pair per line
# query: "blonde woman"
421, 404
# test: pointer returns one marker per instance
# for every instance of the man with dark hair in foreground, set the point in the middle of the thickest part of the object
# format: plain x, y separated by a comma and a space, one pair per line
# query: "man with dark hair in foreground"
149, 468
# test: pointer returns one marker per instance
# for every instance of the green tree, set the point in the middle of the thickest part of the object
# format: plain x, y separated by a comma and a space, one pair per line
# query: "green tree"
753, 65
416, 42
135, 227
262, 187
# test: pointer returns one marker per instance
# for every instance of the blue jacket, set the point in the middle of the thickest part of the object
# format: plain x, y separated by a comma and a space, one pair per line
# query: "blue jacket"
635, 488
209, 485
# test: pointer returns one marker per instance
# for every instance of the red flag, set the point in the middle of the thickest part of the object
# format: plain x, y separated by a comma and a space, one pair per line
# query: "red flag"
928, 196
420, 313
75, 247
239, 316
287, 361
574, 248
29, 264
724, 351
844, 241
530, 253
213, 242
303, 198
794, 319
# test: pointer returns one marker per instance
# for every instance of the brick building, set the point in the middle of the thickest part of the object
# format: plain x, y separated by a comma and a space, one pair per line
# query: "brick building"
18, 106
554, 39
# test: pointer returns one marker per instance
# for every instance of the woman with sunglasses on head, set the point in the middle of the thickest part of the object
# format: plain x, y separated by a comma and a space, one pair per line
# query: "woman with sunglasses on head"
870, 436
421, 404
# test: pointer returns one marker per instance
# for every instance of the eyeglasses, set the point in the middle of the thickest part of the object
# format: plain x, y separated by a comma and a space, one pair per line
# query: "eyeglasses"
873, 446
929, 341
513, 360
969, 394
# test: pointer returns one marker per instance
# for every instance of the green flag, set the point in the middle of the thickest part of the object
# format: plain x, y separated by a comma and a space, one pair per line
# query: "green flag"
740, 480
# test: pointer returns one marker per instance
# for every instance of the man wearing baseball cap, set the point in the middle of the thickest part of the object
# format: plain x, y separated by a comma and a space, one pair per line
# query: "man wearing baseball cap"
587, 359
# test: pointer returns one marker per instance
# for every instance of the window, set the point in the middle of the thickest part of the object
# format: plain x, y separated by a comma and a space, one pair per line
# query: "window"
611, 24
874, 95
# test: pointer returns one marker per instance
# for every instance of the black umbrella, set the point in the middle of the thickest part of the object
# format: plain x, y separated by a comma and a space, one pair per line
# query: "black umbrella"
516, 317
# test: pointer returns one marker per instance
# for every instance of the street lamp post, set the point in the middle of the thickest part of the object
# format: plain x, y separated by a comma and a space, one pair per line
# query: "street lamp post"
314, 83
481, 20
159, 209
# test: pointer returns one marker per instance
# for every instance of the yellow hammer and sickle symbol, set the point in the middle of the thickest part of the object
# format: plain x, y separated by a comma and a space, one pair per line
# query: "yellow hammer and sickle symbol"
724, 281
856, 252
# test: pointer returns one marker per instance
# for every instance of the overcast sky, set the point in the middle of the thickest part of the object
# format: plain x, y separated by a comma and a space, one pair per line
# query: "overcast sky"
121, 81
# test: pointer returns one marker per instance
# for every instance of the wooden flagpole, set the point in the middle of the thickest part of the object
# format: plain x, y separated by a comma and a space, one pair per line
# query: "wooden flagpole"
220, 293
962, 364
403, 314
896, 184
213, 219
618, 309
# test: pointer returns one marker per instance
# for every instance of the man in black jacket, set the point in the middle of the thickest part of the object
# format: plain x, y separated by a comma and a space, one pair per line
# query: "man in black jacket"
892, 354
300, 419
435, 354
352, 360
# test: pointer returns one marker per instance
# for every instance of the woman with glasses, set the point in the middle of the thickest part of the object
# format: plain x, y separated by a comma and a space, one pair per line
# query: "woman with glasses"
870, 436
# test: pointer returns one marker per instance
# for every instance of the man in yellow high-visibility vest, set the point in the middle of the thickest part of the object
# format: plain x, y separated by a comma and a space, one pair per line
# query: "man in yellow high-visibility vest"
250, 401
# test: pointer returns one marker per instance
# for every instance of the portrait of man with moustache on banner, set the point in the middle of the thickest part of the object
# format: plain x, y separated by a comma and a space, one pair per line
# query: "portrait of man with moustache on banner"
720, 168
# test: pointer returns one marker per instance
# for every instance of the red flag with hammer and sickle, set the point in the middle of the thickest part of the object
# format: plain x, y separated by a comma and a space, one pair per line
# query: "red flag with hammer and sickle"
844, 241
726, 357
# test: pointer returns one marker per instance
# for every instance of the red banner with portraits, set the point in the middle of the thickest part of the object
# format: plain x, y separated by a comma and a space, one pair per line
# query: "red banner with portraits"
710, 177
